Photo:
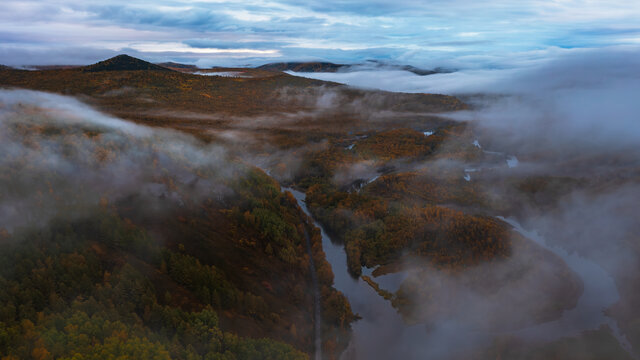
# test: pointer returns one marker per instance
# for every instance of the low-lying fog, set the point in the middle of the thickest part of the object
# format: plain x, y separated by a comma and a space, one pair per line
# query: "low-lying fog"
237, 74
574, 114
574, 99
60, 157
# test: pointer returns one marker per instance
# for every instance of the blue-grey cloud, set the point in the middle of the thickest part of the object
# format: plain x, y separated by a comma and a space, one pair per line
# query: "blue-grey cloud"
189, 19
229, 44
418, 32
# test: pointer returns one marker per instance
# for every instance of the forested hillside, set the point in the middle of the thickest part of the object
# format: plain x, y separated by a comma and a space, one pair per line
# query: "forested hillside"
127, 241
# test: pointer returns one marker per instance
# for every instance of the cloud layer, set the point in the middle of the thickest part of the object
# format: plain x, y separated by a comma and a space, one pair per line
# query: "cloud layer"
222, 32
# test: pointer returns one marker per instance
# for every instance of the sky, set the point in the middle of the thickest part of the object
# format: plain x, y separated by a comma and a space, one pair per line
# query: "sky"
453, 33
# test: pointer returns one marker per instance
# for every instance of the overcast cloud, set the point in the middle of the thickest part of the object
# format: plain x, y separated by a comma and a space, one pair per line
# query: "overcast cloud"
228, 32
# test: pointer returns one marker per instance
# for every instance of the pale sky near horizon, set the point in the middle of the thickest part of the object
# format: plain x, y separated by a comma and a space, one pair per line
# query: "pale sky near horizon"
454, 33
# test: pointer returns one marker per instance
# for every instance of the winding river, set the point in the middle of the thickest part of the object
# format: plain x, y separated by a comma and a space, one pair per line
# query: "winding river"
381, 325
382, 334
600, 292
317, 306
316, 301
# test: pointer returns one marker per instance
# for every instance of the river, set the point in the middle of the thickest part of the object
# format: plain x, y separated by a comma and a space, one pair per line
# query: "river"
382, 334
317, 305
600, 292
381, 325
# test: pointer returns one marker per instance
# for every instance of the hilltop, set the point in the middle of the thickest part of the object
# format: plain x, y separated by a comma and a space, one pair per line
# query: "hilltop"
139, 95
123, 63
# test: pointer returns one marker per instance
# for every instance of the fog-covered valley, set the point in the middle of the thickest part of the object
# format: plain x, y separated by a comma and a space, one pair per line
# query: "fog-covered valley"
497, 221
570, 124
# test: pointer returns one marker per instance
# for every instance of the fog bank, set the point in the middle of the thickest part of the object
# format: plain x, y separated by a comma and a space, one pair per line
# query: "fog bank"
62, 158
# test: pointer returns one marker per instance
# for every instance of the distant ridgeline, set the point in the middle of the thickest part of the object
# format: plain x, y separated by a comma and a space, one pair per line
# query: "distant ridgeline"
331, 67
175, 65
303, 66
128, 63
135, 88
123, 63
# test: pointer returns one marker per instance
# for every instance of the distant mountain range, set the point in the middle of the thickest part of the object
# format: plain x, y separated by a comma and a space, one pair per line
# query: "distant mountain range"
331, 67
128, 63
323, 66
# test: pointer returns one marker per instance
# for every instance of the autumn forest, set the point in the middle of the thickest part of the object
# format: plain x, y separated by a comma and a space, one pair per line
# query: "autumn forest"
158, 211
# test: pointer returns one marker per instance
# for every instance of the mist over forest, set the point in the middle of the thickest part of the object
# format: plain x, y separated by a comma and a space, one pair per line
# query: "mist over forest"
321, 180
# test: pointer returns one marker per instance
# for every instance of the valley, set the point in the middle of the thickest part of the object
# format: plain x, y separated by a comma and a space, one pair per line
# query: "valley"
247, 213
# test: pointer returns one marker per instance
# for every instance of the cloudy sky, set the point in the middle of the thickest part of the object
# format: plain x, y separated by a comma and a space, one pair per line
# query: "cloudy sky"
458, 33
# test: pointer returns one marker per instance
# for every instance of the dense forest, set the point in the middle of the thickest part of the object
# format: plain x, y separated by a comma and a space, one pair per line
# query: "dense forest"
93, 289
149, 251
